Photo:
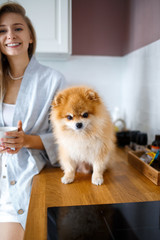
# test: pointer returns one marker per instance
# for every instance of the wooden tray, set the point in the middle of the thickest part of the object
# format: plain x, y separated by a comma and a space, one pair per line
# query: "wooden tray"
148, 171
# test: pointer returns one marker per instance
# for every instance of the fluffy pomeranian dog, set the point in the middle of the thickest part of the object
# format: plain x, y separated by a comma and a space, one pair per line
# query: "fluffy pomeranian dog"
84, 132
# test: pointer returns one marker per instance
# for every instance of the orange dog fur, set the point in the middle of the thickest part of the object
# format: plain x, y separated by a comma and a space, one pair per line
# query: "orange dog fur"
83, 130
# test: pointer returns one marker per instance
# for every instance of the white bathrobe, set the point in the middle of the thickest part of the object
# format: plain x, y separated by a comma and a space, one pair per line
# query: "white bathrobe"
38, 88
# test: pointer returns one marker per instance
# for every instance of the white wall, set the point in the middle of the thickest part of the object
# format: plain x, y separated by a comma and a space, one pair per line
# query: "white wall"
141, 89
131, 83
104, 74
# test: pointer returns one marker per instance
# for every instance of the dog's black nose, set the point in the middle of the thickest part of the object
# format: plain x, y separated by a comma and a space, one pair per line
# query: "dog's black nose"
79, 125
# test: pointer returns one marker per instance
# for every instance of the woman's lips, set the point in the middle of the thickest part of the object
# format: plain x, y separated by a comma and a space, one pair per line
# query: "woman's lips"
12, 44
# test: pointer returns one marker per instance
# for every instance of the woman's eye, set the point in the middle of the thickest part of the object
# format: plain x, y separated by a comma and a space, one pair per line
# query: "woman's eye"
85, 115
69, 117
2, 31
18, 29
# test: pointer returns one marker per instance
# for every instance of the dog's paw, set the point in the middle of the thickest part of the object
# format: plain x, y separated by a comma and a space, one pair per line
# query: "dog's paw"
67, 180
97, 180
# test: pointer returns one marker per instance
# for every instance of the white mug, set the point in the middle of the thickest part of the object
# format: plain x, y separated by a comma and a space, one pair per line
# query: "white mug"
3, 130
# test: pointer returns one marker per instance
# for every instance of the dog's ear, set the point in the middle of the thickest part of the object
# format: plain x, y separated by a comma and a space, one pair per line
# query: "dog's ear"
57, 100
92, 95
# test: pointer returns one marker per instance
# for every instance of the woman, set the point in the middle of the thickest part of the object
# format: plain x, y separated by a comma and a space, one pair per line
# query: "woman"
27, 89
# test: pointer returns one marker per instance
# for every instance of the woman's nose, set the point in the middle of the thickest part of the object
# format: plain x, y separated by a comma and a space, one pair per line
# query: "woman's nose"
11, 35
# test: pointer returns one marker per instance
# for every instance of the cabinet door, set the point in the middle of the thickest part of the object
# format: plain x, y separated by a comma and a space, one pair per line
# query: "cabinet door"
51, 20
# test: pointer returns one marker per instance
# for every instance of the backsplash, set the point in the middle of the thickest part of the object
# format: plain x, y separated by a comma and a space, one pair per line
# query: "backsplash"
141, 89
104, 74
130, 84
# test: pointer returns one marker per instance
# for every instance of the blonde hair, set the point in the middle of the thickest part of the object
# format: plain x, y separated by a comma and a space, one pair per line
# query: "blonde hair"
12, 7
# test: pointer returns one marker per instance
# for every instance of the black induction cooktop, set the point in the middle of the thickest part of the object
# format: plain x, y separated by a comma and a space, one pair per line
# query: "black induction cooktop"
126, 221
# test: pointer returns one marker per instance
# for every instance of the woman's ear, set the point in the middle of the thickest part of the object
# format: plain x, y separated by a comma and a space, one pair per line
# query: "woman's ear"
31, 40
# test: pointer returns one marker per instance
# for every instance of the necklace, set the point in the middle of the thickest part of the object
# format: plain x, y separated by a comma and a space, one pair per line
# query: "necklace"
13, 78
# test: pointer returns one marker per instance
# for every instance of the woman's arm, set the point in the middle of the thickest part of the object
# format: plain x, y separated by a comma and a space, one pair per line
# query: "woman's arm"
33, 141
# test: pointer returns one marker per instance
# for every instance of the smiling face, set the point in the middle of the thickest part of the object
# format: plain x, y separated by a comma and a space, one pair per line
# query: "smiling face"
15, 36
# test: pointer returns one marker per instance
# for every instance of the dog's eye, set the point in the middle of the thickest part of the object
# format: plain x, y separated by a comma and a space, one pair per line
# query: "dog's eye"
69, 117
85, 115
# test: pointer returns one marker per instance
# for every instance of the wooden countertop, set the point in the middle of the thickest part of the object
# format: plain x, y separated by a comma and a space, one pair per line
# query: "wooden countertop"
122, 183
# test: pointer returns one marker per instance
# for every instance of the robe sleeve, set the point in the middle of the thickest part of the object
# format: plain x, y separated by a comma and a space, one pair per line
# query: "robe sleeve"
47, 138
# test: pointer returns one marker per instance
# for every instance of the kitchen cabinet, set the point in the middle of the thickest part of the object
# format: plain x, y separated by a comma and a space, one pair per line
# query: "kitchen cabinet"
52, 22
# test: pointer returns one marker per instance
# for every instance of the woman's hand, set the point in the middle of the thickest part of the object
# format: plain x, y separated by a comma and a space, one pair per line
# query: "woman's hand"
19, 140
15, 143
